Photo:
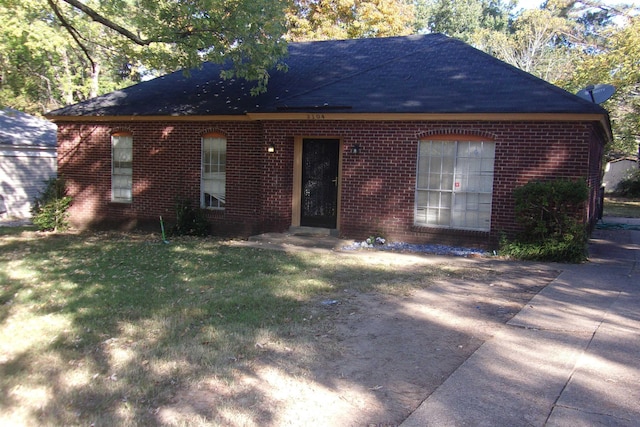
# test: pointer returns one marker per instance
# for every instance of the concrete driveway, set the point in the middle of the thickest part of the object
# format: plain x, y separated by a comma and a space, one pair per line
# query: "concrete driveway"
569, 358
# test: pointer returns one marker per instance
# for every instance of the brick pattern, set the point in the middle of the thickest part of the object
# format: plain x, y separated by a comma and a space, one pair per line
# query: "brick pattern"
594, 179
378, 184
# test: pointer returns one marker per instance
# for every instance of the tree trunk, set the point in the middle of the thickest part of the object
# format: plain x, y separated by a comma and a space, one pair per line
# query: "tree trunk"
95, 80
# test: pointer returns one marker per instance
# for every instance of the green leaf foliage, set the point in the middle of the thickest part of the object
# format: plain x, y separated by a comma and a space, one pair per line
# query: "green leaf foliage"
190, 221
630, 187
49, 211
617, 62
59, 52
247, 35
551, 229
462, 19
348, 19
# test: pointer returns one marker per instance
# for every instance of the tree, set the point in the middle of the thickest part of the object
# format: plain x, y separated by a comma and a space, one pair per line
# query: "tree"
538, 42
567, 42
462, 18
34, 58
43, 68
616, 62
58, 52
347, 19
245, 34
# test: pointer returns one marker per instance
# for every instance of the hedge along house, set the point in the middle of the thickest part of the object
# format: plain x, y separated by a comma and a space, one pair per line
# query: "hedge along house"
417, 139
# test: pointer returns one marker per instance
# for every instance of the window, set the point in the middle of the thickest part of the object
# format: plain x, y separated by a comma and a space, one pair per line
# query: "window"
455, 184
214, 159
121, 167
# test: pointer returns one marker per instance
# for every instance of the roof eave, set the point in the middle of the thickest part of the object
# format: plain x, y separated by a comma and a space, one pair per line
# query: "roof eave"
137, 118
319, 115
603, 119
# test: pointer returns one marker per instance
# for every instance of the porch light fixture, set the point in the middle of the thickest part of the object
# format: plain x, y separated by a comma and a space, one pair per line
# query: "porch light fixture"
271, 148
356, 149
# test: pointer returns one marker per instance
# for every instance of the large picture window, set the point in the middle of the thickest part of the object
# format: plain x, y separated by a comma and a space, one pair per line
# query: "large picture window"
214, 159
455, 184
121, 167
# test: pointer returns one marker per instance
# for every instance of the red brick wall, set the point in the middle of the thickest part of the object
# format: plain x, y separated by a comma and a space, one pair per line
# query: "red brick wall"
594, 180
378, 184
166, 167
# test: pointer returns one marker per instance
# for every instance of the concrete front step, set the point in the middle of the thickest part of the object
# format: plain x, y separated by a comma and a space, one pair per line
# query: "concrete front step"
312, 231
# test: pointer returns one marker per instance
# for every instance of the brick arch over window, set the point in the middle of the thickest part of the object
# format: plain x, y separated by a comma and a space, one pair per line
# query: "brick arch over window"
454, 133
214, 133
121, 132
454, 185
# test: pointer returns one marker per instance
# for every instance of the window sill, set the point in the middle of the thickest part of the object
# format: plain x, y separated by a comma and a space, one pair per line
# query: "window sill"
421, 228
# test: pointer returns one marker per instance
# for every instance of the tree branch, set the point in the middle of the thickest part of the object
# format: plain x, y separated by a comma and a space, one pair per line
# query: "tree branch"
107, 23
72, 31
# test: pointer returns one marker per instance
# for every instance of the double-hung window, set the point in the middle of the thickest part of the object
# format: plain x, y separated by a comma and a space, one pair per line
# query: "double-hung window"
121, 167
454, 184
214, 159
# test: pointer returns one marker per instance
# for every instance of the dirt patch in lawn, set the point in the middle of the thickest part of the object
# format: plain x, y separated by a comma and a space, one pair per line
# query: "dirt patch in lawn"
365, 358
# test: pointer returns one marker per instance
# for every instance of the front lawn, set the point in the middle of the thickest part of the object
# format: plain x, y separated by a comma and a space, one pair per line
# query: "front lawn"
103, 329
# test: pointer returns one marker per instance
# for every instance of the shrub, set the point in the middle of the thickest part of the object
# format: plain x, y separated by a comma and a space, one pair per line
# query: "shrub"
551, 231
571, 247
190, 221
49, 211
630, 187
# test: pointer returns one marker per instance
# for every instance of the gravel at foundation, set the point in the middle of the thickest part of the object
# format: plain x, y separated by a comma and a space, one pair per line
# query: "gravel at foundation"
418, 248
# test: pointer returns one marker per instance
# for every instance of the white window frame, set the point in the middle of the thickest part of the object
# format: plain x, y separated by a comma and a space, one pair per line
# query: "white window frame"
454, 183
122, 167
213, 172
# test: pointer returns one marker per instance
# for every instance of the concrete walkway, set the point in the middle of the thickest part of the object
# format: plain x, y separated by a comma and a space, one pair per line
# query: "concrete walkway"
571, 357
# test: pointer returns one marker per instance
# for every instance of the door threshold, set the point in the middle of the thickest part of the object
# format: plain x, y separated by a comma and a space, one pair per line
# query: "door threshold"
312, 231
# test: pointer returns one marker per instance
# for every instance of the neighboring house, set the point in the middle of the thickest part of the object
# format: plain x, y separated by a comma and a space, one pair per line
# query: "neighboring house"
27, 160
417, 139
617, 171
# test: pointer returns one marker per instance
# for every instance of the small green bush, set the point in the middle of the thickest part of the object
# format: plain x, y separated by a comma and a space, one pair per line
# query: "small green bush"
571, 247
50, 209
551, 231
190, 221
630, 187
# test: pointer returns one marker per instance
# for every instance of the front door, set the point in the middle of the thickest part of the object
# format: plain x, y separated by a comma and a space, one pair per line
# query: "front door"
319, 199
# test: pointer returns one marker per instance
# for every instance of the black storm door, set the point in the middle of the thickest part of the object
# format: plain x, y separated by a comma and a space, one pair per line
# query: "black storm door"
319, 183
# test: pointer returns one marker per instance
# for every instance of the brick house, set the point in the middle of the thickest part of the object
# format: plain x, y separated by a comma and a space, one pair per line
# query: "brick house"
418, 139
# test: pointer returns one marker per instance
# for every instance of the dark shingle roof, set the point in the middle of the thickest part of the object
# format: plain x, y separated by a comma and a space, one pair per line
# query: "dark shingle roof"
413, 74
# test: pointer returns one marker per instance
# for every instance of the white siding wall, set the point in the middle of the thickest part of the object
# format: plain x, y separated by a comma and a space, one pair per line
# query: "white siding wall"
617, 171
23, 172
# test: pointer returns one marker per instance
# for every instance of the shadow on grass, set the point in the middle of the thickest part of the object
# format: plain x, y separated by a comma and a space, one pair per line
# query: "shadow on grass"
120, 329
104, 329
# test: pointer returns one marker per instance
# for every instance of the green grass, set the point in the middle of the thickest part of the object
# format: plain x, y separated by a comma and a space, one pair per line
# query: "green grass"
102, 329
622, 207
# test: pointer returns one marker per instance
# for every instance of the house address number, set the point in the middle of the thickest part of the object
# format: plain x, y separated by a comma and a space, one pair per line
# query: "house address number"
315, 117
